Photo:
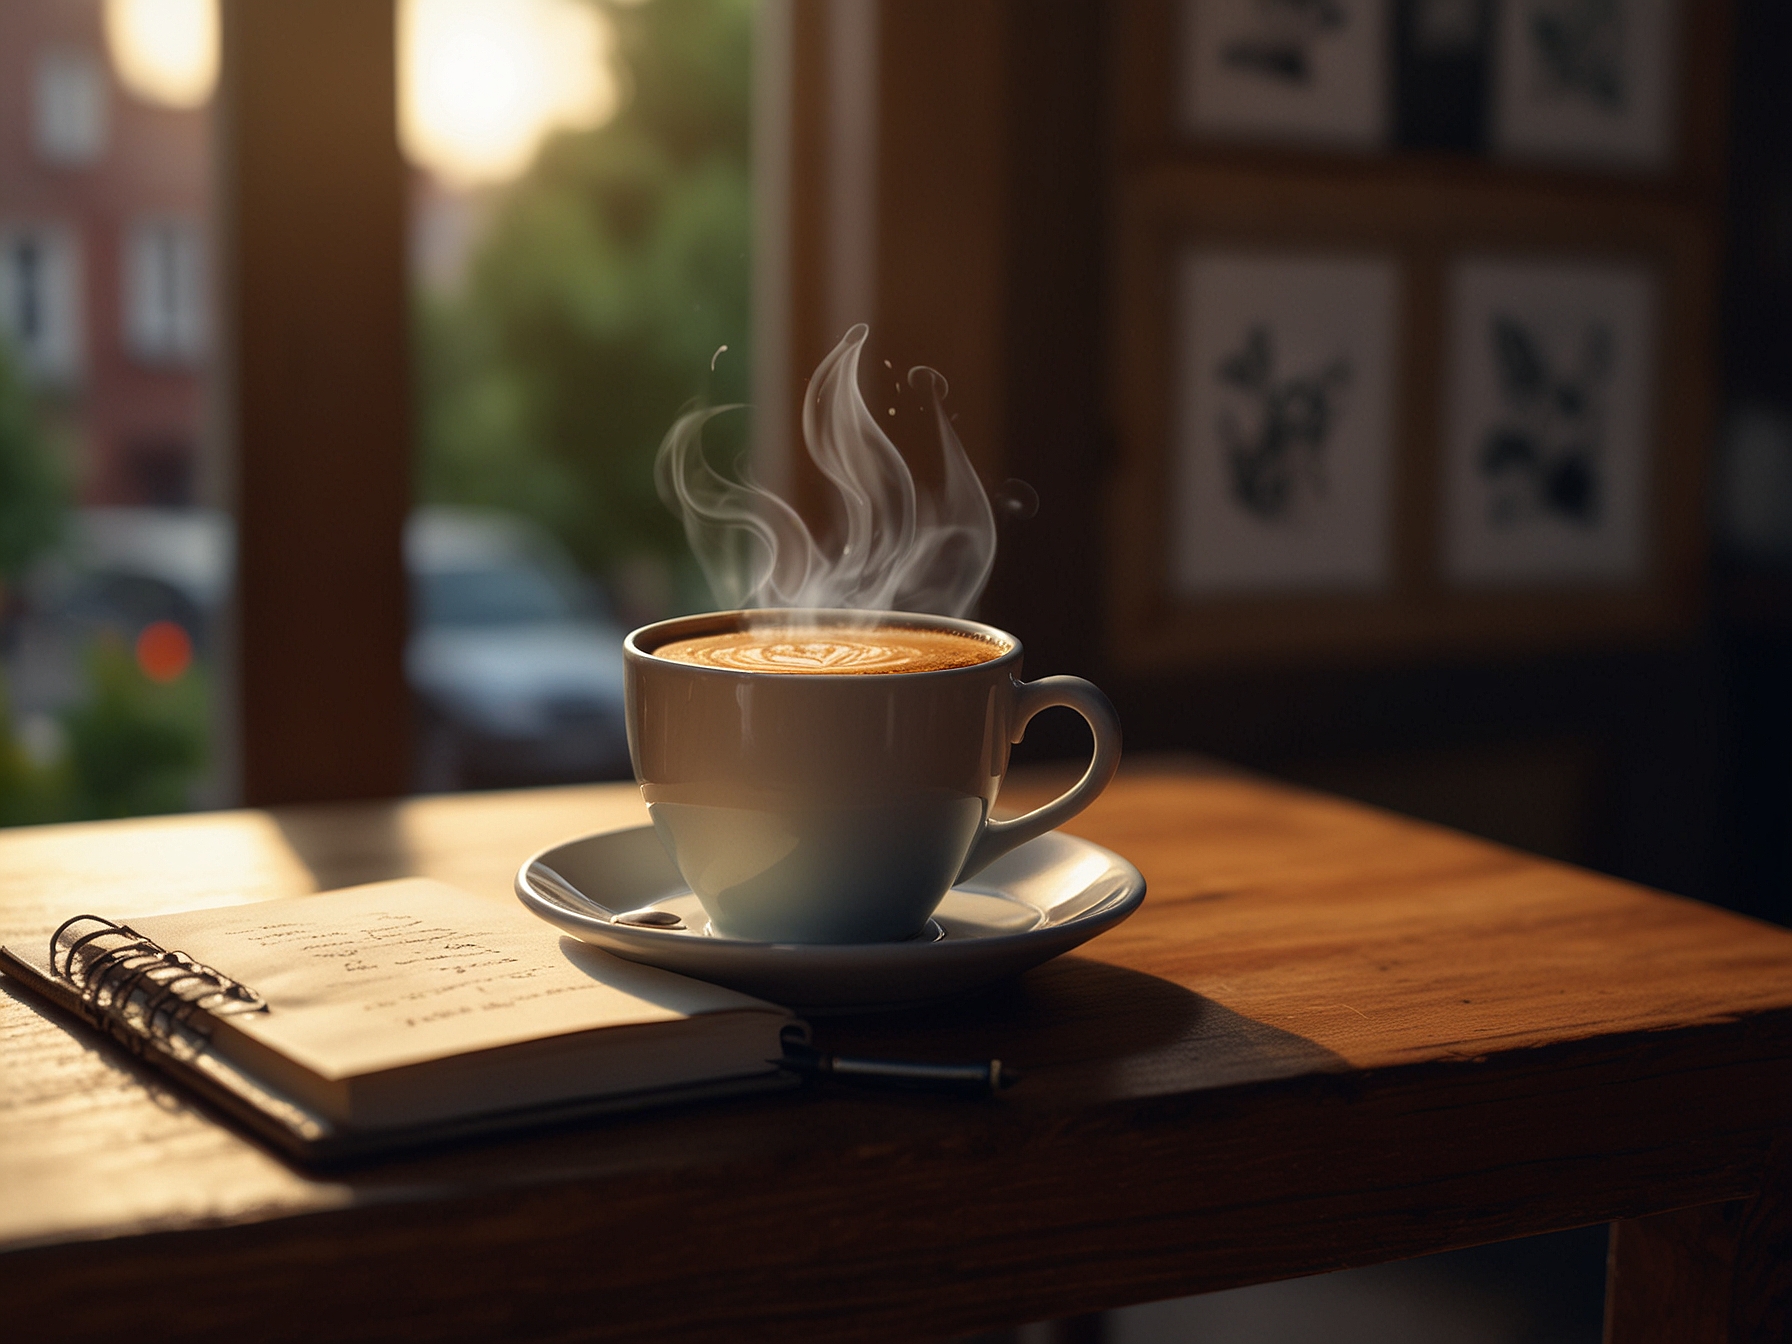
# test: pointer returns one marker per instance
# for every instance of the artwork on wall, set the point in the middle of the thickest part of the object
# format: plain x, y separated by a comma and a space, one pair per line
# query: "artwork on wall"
1547, 444
1295, 70
1285, 366
1392, 405
1586, 80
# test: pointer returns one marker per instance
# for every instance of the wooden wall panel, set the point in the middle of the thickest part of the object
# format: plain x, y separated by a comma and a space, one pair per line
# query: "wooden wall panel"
1049, 579
941, 188
937, 188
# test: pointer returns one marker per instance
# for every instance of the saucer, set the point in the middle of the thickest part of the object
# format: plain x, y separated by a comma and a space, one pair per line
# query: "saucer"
1030, 905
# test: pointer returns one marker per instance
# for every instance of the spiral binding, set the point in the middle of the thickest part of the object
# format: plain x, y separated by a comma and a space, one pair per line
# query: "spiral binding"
139, 991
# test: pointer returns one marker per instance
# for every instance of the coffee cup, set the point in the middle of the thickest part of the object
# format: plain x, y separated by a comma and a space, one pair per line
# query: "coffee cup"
827, 776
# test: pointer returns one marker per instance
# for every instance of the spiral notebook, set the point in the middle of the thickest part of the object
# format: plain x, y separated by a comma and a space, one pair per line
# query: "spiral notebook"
401, 1013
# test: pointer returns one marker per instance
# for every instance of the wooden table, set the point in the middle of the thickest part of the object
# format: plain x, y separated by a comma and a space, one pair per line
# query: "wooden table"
1331, 1037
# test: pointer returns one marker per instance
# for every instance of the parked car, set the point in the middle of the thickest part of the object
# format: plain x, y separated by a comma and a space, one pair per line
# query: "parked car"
514, 657
121, 570
118, 574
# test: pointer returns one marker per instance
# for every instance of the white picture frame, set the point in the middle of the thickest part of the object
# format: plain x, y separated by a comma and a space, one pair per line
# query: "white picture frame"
1586, 81
1283, 461
1297, 71
1549, 438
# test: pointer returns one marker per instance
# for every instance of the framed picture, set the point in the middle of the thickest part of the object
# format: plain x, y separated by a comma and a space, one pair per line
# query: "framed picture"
1433, 418
1313, 71
1549, 422
1283, 458
1586, 80
1612, 86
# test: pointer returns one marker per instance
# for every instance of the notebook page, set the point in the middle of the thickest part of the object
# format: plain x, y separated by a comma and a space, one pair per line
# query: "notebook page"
396, 973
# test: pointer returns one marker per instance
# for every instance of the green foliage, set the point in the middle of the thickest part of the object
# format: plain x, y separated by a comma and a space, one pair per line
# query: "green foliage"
135, 746
29, 791
32, 508
131, 747
32, 497
607, 279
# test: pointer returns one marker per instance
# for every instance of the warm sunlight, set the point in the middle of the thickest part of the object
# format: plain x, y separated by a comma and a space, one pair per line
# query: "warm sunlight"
165, 51
481, 82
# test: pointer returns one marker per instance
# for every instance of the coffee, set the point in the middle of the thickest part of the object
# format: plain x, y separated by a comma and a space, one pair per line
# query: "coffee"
829, 650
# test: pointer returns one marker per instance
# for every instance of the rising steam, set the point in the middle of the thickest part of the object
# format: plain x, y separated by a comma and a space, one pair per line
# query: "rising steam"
897, 550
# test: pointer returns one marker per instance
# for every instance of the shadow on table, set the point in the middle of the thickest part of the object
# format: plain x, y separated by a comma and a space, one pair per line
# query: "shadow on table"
1083, 1025
345, 844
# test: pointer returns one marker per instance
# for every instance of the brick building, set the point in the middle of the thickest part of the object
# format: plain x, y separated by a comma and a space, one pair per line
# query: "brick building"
103, 295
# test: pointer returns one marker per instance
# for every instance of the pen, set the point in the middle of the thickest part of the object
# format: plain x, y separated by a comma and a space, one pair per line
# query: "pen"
974, 1080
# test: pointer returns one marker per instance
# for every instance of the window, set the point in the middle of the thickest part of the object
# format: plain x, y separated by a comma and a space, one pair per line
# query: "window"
581, 234
69, 107
40, 300
164, 308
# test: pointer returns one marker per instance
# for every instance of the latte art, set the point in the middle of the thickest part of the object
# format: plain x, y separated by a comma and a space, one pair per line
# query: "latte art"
832, 651
817, 655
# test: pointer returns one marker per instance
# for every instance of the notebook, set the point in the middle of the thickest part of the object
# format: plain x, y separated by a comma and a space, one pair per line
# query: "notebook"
399, 1013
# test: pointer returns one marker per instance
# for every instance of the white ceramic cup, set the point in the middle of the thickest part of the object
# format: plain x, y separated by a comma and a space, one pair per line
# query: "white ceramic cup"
815, 808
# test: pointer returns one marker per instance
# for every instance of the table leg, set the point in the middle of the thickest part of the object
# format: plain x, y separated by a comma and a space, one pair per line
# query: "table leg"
1716, 1274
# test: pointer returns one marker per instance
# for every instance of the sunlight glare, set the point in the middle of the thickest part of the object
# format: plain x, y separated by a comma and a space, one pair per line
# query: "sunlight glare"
483, 82
164, 51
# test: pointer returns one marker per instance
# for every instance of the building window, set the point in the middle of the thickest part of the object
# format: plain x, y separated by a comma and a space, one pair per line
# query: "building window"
40, 286
164, 306
69, 107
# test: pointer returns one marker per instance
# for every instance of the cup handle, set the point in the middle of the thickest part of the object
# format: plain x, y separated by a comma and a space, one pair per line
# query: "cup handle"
1032, 696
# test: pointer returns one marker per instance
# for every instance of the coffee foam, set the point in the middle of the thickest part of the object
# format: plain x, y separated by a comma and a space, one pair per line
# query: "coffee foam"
833, 650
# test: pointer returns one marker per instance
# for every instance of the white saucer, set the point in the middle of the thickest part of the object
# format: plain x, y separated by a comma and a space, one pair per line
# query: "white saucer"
1042, 899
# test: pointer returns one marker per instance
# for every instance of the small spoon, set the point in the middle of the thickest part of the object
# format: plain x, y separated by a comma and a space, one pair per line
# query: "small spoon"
647, 917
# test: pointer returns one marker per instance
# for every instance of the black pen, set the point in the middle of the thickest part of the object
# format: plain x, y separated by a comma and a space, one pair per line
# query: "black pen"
973, 1080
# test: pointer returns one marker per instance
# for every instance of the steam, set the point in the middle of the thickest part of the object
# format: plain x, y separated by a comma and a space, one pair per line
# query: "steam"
896, 549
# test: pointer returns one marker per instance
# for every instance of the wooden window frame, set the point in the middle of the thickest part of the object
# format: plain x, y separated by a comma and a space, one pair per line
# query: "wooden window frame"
315, 395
